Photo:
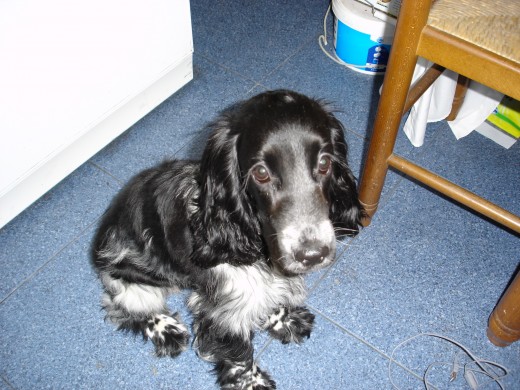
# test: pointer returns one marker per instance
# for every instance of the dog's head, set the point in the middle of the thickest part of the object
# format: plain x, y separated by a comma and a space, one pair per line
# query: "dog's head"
275, 177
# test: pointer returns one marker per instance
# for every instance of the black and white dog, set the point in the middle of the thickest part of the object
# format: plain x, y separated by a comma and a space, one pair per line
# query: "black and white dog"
240, 228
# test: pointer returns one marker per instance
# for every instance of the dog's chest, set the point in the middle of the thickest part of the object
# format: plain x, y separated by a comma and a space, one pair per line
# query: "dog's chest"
245, 296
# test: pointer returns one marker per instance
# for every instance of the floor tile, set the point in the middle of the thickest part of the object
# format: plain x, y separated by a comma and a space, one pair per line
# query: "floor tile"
254, 38
176, 127
478, 164
330, 359
44, 228
441, 270
353, 95
4, 385
62, 341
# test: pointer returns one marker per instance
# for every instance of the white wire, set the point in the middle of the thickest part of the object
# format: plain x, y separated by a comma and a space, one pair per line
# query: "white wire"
322, 41
482, 364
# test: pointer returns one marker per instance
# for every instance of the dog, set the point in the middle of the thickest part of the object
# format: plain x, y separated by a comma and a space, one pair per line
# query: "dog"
240, 228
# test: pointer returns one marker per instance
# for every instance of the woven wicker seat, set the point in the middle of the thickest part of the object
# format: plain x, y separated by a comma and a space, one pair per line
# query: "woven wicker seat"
491, 25
480, 40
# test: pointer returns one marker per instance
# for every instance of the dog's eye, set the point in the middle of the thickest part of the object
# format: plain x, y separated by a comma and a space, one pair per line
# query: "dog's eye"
324, 165
261, 174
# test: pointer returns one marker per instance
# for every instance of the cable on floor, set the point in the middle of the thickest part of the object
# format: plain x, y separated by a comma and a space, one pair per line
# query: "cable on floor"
476, 372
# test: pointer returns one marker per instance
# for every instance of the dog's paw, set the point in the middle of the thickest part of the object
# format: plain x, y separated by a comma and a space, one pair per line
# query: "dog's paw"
291, 325
242, 376
261, 380
168, 333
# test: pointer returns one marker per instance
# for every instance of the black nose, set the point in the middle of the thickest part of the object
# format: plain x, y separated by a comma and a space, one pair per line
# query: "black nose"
311, 256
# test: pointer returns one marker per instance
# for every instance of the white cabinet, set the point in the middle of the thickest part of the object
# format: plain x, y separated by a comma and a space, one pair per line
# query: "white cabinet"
76, 74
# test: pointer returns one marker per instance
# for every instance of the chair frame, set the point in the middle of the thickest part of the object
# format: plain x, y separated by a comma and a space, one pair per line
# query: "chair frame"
415, 38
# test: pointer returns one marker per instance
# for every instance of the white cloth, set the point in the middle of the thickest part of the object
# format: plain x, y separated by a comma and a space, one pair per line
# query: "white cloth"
479, 103
435, 105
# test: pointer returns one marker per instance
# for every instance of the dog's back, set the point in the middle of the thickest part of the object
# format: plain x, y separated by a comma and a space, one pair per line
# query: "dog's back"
155, 203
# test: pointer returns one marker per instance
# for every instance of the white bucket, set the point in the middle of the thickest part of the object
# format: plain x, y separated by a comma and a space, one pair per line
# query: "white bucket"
361, 40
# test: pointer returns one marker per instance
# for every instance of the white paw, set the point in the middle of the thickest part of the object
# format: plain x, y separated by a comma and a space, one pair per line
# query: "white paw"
169, 335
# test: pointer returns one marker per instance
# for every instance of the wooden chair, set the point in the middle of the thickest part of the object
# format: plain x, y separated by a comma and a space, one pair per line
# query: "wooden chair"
479, 39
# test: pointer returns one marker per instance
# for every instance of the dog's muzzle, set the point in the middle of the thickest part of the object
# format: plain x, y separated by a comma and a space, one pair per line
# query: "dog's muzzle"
305, 249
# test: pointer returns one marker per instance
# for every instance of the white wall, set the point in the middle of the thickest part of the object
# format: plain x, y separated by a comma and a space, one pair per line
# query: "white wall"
74, 74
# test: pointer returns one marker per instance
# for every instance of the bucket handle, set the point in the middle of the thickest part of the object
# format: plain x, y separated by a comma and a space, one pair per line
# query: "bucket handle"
322, 42
322, 39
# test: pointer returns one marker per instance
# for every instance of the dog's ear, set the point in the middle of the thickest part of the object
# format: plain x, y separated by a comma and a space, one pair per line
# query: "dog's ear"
345, 210
226, 229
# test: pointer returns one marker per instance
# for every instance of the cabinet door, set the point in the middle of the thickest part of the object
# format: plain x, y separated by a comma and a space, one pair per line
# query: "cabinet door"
68, 67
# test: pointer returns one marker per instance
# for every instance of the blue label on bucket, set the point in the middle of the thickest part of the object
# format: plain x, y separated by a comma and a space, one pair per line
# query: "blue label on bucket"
354, 47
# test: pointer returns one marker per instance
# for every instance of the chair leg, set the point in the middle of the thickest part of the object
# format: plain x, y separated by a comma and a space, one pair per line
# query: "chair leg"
458, 99
504, 322
412, 18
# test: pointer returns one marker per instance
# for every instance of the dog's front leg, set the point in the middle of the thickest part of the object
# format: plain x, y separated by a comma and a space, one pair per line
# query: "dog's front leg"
290, 324
242, 375
233, 358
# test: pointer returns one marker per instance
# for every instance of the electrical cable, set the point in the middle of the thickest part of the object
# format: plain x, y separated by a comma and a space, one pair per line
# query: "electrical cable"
322, 42
485, 367
322, 39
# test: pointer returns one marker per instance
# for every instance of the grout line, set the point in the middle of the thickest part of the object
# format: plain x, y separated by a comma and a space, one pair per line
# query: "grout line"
290, 56
356, 134
366, 343
257, 86
352, 335
390, 194
99, 167
339, 257
263, 349
228, 69
263, 79
121, 182
311, 289
401, 177
6, 382
364, 137
50, 260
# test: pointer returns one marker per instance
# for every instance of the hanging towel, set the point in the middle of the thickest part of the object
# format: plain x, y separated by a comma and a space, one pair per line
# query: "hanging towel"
435, 105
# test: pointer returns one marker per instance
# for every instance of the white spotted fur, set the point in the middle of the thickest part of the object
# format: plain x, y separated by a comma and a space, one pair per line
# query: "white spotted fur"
248, 295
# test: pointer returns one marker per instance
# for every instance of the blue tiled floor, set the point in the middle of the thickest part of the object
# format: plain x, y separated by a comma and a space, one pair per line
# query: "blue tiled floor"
424, 265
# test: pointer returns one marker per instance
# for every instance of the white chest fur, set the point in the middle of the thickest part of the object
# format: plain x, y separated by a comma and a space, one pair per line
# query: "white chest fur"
245, 296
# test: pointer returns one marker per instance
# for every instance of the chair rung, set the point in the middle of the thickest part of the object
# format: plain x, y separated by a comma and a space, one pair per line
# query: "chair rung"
456, 192
422, 84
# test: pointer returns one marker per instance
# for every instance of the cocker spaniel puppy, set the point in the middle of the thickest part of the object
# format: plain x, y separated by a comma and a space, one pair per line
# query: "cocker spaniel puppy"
240, 228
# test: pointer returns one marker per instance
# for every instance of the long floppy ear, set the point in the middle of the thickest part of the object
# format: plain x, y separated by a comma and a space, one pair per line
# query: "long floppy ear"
225, 227
345, 210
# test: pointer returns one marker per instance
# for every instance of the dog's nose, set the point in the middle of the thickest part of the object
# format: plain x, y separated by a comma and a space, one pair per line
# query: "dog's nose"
311, 256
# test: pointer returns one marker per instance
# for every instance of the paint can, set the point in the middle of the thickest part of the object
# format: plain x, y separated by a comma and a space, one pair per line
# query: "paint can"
361, 40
